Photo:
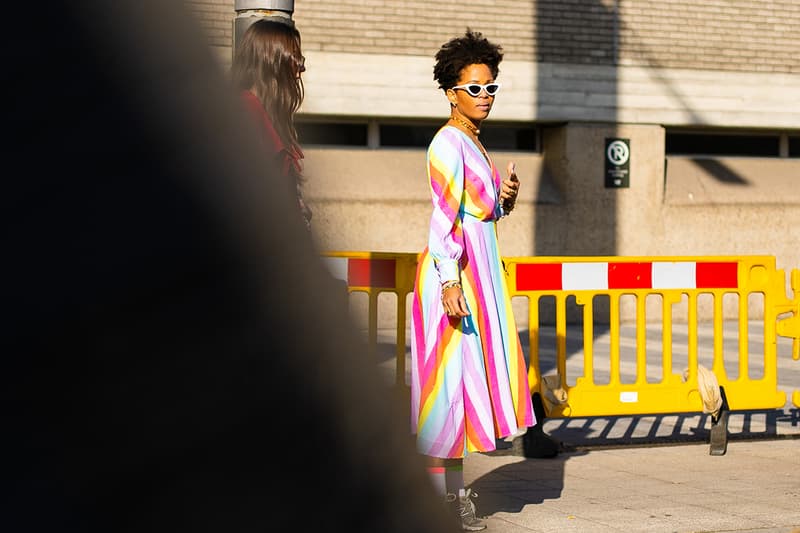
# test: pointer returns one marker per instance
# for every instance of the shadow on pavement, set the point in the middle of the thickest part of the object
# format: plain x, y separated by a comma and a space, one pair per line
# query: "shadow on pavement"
673, 428
515, 485
512, 486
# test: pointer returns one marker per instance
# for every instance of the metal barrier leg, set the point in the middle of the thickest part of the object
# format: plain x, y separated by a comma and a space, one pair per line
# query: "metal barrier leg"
719, 428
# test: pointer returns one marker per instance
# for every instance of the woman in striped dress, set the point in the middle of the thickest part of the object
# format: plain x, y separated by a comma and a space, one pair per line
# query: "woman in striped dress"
469, 378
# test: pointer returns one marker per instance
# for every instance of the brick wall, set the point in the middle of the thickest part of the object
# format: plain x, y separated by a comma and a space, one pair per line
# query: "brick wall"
753, 36
741, 35
216, 19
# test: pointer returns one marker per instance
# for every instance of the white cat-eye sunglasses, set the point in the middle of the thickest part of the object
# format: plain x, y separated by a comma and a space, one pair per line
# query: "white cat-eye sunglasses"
474, 89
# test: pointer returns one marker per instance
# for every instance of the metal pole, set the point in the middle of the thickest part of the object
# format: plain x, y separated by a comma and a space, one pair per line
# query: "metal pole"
248, 11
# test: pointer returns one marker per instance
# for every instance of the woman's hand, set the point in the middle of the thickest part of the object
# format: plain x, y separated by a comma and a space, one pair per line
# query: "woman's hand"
509, 189
453, 302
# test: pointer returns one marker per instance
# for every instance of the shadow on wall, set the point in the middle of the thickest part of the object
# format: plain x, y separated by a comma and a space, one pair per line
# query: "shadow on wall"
720, 171
582, 33
569, 38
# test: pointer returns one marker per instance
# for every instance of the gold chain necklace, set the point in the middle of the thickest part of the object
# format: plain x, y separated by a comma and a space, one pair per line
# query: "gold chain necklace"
466, 124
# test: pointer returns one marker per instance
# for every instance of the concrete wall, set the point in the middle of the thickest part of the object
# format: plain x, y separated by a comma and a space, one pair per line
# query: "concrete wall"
564, 208
352, 85
385, 206
378, 200
582, 71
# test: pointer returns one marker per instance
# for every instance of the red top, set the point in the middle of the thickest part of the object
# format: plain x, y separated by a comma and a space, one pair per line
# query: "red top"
288, 158
272, 140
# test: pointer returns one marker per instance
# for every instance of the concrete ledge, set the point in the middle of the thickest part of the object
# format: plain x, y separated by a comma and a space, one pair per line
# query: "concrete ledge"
399, 176
356, 85
706, 181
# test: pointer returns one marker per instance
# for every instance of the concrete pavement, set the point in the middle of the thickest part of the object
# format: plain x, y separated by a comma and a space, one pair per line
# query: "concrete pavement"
647, 473
754, 487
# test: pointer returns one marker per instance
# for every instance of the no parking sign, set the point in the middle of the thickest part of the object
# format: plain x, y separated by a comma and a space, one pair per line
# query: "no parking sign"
618, 161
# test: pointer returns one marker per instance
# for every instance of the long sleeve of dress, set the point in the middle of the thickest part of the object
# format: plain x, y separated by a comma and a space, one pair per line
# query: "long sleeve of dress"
446, 178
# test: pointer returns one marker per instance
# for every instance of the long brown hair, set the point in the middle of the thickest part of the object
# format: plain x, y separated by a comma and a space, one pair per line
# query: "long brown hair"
268, 61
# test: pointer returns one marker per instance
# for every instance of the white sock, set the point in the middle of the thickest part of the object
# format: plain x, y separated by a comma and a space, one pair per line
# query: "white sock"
438, 479
454, 479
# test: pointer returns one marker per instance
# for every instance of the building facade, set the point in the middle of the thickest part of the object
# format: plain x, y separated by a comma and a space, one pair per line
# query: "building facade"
701, 98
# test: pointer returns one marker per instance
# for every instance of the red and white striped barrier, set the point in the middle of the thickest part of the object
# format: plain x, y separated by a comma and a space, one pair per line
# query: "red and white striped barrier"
377, 273
590, 276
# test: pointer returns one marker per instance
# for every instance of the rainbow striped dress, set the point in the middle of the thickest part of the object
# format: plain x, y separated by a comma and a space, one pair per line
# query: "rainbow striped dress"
469, 381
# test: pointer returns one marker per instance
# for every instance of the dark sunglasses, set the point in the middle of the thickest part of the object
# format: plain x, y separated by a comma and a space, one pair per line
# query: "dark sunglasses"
474, 89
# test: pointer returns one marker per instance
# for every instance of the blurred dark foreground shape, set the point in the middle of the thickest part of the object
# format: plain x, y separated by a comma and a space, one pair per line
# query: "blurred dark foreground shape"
175, 357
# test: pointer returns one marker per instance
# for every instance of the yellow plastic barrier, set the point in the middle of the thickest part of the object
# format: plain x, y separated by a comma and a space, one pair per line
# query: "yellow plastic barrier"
582, 280
374, 273
671, 279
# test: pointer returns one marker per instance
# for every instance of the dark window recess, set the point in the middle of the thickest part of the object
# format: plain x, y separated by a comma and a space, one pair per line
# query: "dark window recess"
528, 139
497, 137
794, 146
720, 144
332, 134
493, 137
404, 135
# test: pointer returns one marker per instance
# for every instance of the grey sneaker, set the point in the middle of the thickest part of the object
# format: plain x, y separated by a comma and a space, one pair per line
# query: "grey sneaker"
465, 510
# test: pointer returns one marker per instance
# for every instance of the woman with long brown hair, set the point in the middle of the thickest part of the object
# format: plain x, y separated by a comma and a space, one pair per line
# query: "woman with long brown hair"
267, 67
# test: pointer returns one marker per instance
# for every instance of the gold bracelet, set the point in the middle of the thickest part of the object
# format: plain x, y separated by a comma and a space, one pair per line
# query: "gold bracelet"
450, 285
